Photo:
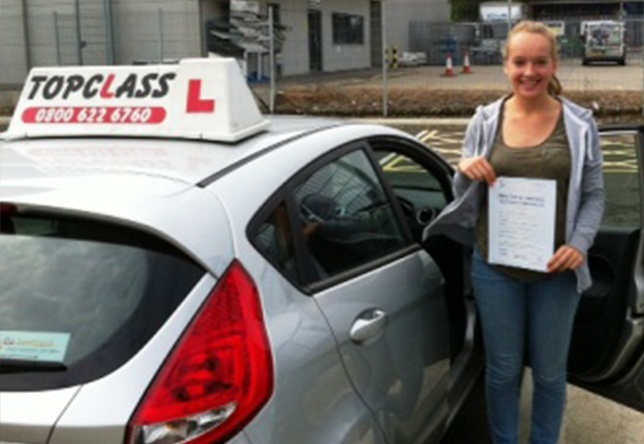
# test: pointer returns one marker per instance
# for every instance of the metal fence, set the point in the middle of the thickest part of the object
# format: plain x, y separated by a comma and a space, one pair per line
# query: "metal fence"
484, 41
380, 45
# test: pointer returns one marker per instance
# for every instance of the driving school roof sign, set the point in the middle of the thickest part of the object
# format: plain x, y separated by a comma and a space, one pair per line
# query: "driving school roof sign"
195, 99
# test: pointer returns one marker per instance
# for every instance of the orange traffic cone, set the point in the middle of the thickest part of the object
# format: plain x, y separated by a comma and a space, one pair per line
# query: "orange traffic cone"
449, 69
467, 69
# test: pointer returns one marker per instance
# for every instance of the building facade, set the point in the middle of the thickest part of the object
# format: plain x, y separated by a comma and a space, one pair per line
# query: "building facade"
311, 35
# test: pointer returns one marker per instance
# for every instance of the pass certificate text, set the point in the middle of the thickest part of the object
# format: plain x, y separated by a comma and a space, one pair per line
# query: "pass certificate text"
522, 222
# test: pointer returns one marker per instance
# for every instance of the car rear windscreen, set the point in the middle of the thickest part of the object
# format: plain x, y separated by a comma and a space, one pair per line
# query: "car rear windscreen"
79, 297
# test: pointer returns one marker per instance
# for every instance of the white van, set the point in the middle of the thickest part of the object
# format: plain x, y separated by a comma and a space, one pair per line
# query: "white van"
603, 42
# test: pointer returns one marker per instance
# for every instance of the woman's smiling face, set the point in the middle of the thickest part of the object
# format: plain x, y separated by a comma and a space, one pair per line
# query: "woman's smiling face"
530, 64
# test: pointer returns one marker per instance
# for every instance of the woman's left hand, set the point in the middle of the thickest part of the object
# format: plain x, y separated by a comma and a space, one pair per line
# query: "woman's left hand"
565, 258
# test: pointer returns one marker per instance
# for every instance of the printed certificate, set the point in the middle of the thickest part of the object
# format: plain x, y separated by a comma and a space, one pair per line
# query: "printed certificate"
522, 222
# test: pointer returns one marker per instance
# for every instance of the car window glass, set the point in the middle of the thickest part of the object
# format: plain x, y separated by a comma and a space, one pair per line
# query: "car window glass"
410, 180
346, 217
418, 190
621, 180
103, 288
274, 239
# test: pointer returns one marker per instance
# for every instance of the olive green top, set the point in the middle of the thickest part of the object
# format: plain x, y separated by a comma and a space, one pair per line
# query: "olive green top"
548, 160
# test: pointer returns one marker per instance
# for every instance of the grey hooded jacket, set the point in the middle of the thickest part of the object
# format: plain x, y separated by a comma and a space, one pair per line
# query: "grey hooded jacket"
585, 191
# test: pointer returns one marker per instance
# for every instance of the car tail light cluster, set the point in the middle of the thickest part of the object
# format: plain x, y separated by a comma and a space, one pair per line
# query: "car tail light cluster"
218, 376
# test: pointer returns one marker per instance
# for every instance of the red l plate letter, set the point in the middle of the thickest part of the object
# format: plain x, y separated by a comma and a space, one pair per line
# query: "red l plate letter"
195, 103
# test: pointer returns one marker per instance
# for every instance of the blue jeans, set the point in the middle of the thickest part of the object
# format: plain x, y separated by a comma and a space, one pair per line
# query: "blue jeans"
515, 315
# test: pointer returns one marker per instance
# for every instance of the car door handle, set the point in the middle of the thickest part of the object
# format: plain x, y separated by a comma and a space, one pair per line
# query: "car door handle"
368, 325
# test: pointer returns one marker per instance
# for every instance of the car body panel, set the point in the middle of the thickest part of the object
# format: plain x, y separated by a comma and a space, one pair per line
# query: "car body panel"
149, 202
182, 160
399, 373
30, 416
78, 420
313, 397
125, 387
160, 203
326, 407
119, 191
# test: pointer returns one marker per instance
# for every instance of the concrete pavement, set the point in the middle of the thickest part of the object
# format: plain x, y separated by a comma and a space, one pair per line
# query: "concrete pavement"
589, 419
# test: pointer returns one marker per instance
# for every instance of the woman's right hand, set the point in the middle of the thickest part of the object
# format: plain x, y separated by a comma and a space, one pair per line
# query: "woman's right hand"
477, 168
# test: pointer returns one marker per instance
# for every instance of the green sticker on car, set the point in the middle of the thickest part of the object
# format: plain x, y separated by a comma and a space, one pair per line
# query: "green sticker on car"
33, 346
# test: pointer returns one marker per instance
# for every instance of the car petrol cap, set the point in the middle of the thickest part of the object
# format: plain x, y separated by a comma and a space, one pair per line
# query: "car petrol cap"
194, 99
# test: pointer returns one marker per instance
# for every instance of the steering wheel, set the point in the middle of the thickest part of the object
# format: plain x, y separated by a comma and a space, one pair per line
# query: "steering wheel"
417, 218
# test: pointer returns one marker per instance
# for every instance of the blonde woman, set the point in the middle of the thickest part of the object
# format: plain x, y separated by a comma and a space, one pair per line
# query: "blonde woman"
531, 133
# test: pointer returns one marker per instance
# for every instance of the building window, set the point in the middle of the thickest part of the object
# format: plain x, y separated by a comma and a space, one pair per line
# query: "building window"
348, 29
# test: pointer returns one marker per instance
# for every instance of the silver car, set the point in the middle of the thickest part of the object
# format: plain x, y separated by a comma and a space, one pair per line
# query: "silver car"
264, 286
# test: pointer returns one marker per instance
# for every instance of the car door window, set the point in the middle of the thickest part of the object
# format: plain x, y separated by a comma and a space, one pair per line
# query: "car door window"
411, 181
376, 317
346, 217
621, 181
418, 178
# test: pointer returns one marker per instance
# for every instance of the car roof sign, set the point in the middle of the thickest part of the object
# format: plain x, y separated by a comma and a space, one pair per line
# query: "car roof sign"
204, 98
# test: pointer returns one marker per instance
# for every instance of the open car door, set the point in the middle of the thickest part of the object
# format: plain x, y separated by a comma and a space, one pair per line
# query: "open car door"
607, 351
420, 179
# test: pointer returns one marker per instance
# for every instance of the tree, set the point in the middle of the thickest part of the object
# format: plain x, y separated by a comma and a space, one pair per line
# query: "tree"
465, 10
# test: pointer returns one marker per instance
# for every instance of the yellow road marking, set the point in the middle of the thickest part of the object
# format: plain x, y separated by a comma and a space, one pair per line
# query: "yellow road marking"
429, 135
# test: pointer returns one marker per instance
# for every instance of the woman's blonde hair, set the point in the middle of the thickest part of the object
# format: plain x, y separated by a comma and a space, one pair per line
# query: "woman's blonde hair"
554, 87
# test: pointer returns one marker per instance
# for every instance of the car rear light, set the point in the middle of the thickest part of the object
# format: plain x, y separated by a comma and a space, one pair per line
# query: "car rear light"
218, 376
